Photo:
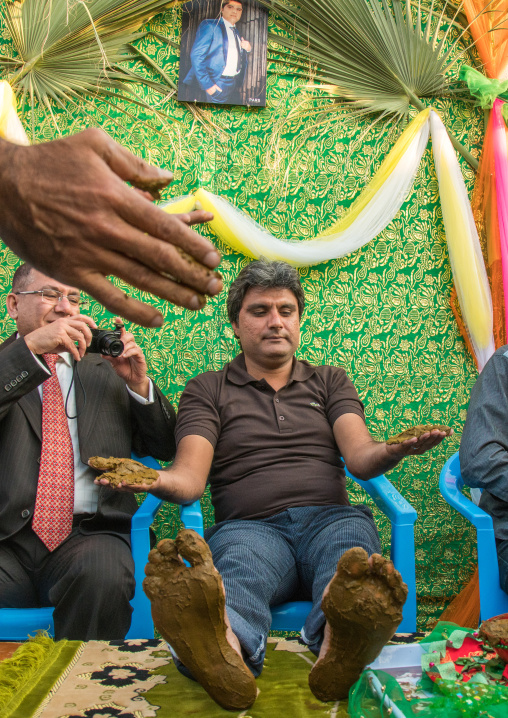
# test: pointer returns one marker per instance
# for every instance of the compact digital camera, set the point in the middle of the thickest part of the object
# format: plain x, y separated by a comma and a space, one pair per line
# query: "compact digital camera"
107, 342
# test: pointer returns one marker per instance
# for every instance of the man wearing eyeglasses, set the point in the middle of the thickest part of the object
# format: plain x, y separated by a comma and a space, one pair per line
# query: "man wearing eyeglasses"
64, 541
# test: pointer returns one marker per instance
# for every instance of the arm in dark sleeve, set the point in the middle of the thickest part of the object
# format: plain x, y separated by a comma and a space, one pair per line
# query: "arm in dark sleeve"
197, 411
20, 373
199, 55
342, 397
154, 427
484, 443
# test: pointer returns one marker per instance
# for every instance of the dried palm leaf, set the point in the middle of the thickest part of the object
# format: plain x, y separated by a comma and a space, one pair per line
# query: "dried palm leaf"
376, 56
67, 50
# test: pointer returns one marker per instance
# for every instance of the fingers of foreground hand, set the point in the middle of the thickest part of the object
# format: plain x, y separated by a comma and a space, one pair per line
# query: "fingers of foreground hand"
196, 216
129, 167
163, 258
118, 302
171, 228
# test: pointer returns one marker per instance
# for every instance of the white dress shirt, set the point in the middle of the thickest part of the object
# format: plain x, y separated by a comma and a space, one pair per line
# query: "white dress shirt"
86, 493
231, 69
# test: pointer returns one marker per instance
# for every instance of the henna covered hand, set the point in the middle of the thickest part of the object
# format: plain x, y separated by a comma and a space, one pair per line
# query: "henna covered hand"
66, 209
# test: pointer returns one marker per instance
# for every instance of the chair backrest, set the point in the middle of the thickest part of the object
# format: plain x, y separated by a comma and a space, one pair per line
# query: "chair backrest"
16, 624
493, 600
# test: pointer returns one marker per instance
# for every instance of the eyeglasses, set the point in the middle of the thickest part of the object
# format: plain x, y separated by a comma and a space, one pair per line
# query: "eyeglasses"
53, 296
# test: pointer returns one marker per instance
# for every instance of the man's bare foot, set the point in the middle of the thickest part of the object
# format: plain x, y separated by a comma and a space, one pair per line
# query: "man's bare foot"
363, 607
188, 608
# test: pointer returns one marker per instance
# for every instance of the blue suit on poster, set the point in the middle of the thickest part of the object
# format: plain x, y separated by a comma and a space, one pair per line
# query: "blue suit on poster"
209, 56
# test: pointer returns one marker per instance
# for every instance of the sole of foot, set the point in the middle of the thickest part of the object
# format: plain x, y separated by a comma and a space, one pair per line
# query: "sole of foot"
363, 607
188, 609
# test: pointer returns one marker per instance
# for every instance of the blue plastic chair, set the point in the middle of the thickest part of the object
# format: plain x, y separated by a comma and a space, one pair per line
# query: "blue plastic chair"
17, 623
493, 600
291, 616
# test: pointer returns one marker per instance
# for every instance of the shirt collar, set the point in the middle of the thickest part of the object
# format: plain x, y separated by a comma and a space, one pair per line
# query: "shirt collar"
66, 358
227, 23
237, 371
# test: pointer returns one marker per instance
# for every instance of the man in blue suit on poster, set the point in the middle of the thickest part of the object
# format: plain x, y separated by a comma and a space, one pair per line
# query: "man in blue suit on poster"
219, 56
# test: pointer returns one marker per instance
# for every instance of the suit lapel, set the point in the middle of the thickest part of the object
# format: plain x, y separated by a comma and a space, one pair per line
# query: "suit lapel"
31, 405
90, 377
225, 40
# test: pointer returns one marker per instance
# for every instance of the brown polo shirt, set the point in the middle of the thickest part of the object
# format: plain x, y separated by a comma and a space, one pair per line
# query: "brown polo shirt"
273, 449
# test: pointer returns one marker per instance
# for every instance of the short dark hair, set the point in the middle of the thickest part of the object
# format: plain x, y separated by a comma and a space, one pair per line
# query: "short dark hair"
269, 275
21, 276
226, 2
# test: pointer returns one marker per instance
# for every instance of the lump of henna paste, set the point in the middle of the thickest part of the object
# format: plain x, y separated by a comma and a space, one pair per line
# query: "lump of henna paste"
123, 471
417, 431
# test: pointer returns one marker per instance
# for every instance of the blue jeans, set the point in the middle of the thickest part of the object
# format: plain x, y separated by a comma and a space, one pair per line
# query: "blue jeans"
290, 556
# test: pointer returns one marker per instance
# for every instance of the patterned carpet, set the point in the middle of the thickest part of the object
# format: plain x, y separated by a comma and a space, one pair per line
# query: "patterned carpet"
137, 679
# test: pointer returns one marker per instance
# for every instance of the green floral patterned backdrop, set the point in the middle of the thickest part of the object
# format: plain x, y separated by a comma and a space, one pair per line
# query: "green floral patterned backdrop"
382, 313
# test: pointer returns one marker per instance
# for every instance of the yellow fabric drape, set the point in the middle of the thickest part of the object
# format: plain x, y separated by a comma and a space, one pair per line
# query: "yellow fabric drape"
10, 126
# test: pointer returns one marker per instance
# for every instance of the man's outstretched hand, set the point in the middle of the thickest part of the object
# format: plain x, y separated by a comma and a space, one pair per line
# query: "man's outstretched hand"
123, 473
417, 440
66, 208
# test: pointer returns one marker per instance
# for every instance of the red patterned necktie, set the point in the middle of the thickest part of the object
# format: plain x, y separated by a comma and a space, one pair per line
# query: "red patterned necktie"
54, 504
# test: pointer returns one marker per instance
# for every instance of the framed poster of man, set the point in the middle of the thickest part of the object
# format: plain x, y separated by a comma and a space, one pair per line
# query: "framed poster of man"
223, 52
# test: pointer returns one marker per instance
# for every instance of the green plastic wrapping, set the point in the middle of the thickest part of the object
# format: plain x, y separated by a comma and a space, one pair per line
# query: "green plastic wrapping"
485, 89
364, 703
450, 699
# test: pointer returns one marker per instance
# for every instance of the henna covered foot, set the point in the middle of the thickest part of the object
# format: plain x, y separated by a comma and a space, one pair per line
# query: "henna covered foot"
188, 608
363, 607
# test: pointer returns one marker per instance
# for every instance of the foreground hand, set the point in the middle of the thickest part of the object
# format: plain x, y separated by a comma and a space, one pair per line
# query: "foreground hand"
417, 445
213, 89
245, 45
131, 364
67, 210
61, 336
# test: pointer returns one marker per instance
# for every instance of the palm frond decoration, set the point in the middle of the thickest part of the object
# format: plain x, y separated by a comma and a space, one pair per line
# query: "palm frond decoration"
67, 50
374, 56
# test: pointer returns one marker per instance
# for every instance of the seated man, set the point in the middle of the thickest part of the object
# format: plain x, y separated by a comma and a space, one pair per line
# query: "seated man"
269, 431
484, 449
65, 542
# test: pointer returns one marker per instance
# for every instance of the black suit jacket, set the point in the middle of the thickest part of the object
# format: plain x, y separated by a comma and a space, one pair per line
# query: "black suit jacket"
110, 423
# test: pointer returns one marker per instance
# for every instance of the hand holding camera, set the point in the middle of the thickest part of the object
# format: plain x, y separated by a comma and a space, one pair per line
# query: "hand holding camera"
66, 334
129, 364
79, 334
